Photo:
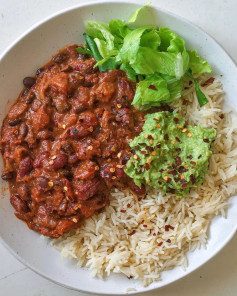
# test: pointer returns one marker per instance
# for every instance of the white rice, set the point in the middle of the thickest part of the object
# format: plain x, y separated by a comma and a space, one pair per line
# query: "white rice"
104, 243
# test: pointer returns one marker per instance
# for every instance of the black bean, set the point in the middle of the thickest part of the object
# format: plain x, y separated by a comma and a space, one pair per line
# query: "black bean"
83, 56
29, 81
25, 91
23, 130
39, 71
7, 176
60, 58
14, 121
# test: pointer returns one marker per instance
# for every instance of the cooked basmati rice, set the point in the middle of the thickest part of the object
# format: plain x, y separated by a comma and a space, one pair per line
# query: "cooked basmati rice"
135, 242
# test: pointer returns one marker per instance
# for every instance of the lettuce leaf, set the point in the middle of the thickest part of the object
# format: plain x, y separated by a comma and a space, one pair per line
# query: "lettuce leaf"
170, 41
155, 90
131, 45
133, 17
119, 29
150, 92
153, 56
102, 36
108, 64
196, 64
149, 61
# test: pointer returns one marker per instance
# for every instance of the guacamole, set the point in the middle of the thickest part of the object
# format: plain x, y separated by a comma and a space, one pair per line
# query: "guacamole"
169, 154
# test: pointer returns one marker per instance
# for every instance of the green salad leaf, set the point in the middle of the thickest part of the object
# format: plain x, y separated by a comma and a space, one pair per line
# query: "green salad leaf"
156, 90
154, 56
196, 64
133, 17
109, 64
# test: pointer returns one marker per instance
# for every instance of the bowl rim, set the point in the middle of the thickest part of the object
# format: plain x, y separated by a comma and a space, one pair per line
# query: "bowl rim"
82, 4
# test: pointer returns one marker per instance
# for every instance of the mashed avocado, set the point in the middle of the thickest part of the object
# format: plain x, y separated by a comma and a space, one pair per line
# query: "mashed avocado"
169, 154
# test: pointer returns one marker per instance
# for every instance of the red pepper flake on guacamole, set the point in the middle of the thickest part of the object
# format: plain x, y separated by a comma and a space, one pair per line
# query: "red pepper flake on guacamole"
178, 157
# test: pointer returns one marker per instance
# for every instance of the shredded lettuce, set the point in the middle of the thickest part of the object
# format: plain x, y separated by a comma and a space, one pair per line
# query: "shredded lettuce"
154, 56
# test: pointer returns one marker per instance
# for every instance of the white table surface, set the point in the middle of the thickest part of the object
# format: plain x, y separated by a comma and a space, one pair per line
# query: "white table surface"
217, 277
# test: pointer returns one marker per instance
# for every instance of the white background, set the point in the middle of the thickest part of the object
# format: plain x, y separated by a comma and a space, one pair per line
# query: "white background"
218, 18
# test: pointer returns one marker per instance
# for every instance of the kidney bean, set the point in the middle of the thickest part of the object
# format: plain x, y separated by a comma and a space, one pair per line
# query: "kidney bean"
39, 159
85, 170
29, 81
7, 176
18, 204
23, 130
77, 132
24, 192
26, 166
88, 188
137, 190
14, 121
59, 161
60, 58
17, 110
43, 182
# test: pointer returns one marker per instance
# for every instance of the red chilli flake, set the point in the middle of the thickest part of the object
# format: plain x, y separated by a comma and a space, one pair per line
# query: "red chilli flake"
168, 240
147, 167
206, 140
167, 227
177, 139
144, 225
123, 211
155, 119
193, 162
168, 180
178, 160
176, 120
154, 234
132, 232
209, 81
184, 185
160, 244
128, 205
152, 87
172, 173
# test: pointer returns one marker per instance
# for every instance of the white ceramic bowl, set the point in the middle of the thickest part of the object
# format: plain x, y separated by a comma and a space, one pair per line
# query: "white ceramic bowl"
22, 59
